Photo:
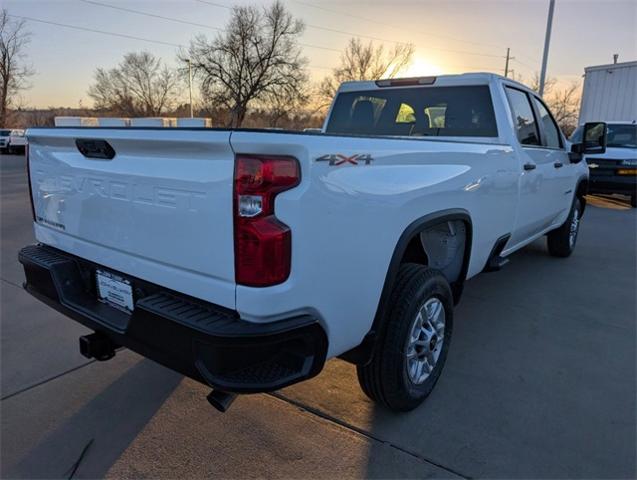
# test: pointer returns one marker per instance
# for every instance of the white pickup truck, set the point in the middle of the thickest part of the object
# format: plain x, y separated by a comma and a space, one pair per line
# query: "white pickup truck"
246, 258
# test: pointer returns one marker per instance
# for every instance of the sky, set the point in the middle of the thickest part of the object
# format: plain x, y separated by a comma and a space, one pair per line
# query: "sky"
451, 36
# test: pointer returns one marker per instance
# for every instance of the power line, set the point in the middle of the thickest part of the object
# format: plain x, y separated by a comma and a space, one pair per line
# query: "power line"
133, 37
121, 35
137, 12
215, 4
329, 49
339, 12
171, 19
447, 37
93, 30
525, 64
371, 37
531, 59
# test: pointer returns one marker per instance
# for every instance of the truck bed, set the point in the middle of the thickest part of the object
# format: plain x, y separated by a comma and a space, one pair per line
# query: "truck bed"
162, 208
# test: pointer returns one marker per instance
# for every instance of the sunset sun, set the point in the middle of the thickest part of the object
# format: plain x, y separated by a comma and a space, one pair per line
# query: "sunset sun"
420, 67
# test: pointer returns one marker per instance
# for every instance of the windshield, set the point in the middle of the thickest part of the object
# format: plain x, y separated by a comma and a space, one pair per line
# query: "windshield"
622, 135
419, 111
5, 133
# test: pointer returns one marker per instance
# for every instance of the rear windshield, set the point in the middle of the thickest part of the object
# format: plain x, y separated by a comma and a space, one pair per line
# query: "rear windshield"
5, 133
618, 135
419, 111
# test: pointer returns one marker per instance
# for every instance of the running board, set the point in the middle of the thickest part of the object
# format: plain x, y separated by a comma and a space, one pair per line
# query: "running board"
496, 262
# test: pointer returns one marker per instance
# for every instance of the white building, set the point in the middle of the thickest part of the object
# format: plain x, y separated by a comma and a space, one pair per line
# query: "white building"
610, 93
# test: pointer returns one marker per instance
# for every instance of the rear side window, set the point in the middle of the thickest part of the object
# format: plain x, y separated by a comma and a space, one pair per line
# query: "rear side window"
419, 111
523, 118
551, 130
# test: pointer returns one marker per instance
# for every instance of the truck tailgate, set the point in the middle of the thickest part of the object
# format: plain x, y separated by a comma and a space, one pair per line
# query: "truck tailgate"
160, 209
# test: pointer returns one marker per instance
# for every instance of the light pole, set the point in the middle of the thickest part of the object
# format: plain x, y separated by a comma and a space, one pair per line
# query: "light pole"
506, 65
190, 83
547, 41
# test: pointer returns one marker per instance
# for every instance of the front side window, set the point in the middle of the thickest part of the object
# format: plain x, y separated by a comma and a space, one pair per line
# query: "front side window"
465, 111
523, 118
406, 114
576, 137
551, 130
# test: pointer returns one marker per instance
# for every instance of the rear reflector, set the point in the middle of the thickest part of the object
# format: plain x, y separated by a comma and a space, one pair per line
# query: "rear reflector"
405, 82
263, 244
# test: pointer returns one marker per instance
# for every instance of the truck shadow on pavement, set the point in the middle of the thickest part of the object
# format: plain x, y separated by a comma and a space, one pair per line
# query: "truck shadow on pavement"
111, 418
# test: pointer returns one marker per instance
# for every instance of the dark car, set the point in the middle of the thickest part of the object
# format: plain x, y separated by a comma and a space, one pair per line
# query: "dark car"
616, 170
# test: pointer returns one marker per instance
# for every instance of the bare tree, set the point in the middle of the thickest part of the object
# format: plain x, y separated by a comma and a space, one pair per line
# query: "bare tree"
139, 86
14, 73
564, 103
549, 84
256, 61
362, 61
279, 107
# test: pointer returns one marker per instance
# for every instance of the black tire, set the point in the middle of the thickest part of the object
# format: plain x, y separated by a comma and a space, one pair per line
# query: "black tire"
633, 201
386, 379
559, 240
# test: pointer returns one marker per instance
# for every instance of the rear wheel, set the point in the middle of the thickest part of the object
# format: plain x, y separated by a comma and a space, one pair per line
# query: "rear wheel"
561, 241
413, 341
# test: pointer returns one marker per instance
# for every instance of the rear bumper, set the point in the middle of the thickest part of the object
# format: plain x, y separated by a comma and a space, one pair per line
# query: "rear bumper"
203, 341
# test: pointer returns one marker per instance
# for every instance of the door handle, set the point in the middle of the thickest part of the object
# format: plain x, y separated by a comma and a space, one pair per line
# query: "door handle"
558, 164
529, 166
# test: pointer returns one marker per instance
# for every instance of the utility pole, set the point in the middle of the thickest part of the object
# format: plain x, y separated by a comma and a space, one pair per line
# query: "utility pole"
190, 84
506, 65
547, 41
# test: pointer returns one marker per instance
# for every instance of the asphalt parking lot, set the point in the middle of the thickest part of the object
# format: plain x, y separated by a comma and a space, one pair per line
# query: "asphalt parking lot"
540, 382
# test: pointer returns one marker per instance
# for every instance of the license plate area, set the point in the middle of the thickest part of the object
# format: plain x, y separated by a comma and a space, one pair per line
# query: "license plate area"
114, 290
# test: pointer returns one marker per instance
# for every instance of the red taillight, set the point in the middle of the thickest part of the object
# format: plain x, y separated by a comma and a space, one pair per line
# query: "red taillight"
26, 153
262, 243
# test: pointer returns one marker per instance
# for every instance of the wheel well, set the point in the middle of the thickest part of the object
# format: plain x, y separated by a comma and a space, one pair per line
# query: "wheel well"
441, 246
415, 252
441, 240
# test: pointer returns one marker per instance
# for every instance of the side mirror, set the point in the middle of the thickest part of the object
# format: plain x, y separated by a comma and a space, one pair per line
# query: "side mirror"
593, 141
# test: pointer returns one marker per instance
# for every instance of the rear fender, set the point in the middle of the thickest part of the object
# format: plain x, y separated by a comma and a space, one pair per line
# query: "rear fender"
362, 354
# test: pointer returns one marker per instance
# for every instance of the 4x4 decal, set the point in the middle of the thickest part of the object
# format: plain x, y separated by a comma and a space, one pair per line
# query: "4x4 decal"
335, 159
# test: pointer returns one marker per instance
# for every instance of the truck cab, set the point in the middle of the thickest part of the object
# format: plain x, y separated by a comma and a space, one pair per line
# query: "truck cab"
614, 171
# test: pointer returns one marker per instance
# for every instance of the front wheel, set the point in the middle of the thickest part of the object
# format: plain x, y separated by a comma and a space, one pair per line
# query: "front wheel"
413, 340
561, 241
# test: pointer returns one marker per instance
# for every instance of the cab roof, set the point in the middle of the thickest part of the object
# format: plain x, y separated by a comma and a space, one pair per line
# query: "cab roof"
478, 78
